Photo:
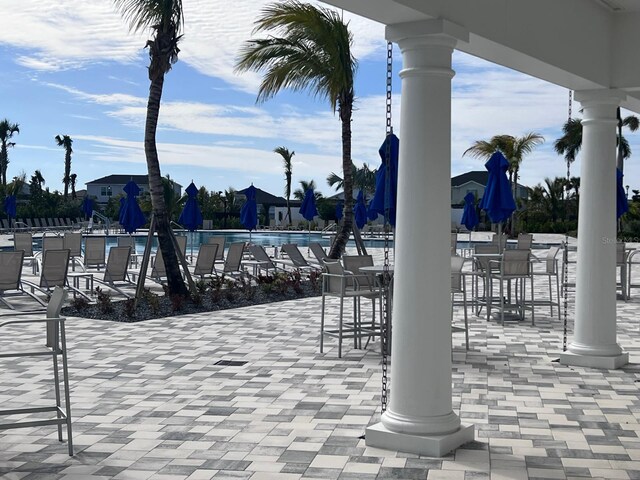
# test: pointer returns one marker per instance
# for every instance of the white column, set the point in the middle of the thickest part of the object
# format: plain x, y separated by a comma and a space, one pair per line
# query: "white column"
594, 343
419, 418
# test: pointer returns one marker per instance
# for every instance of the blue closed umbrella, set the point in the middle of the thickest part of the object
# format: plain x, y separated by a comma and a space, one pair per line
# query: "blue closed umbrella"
622, 204
308, 208
339, 209
87, 207
191, 216
121, 211
132, 217
249, 211
10, 207
381, 200
497, 200
360, 211
469, 215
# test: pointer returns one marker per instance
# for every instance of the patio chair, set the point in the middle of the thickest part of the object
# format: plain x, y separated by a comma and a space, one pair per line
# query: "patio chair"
482, 254
57, 347
551, 270
206, 260
458, 287
11, 277
500, 240
159, 271
366, 281
318, 252
261, 260
297, 258
515, 266
95, 252
337, 282
524, 241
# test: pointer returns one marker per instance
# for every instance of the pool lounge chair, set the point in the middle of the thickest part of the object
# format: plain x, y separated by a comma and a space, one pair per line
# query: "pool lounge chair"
206, 260
297, 259
233, 262
116, 272
95, 252
318, 252
261, 261
219, 241
54, 266
24, 241
158, 270
11, 277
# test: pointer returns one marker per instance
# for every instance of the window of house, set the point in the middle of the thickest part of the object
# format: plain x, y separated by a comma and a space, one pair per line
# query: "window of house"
105, 191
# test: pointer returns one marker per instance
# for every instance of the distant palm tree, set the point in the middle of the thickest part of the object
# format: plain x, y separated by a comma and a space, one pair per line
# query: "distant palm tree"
514, 149
66, 142
37, 179
570, 143
72, 181
165, 18
286, 160
299, 193
7, 130
309, 48
363, 179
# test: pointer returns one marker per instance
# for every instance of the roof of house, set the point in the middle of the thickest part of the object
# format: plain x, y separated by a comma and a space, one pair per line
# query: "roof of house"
477, 176
266, 198
119, 179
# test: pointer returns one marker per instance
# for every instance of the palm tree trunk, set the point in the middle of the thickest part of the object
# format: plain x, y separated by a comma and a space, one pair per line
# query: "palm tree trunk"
67, 171
3, 164
289, 212
163, 227
338, 247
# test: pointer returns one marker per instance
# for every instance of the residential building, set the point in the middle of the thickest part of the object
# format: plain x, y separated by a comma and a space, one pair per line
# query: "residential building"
475, 182
111, 185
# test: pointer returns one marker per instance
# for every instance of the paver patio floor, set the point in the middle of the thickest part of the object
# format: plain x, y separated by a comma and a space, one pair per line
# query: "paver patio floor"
149, 401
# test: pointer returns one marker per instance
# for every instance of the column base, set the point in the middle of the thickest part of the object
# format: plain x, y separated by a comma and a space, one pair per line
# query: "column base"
593, 361
429, 445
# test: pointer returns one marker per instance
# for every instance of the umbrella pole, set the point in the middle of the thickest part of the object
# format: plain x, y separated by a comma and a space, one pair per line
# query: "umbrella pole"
500, 237
309, 241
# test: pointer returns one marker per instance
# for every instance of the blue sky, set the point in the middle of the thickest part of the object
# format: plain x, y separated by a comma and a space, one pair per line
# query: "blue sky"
76, 70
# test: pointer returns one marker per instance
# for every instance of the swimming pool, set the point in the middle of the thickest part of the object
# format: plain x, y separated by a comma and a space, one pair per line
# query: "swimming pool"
266, 239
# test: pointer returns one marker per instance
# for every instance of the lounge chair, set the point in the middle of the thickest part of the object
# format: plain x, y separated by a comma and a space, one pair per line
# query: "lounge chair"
233, 262
53, 273
220, 241
116, 272
297, 259
159, 271
206, 260
261, 260
318, 252
52, 242
24, 241
73, 242
11, 276
95, 251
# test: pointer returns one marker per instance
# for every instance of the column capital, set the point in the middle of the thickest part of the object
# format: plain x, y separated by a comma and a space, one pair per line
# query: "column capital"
439, 28
600, 96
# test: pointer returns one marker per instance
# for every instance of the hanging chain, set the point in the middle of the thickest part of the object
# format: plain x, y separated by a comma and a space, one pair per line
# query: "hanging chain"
385, 327
565, 253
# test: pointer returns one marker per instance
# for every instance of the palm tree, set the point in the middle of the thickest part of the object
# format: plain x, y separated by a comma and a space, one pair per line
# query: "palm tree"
7, 130
165, 19
286, 160
308, 48
72, 181
514, 149
363, 179
37, 179
298, 194
570, 143
65, 142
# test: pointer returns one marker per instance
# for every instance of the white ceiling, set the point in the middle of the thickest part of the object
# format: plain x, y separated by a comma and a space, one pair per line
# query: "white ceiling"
620, 6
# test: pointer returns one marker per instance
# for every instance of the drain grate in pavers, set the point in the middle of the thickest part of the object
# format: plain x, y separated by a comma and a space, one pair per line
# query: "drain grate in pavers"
230, 363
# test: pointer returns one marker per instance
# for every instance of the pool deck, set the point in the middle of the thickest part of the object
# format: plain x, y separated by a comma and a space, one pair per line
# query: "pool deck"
149, 402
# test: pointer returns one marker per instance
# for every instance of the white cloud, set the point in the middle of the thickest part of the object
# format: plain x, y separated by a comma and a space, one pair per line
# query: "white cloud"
79, 32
